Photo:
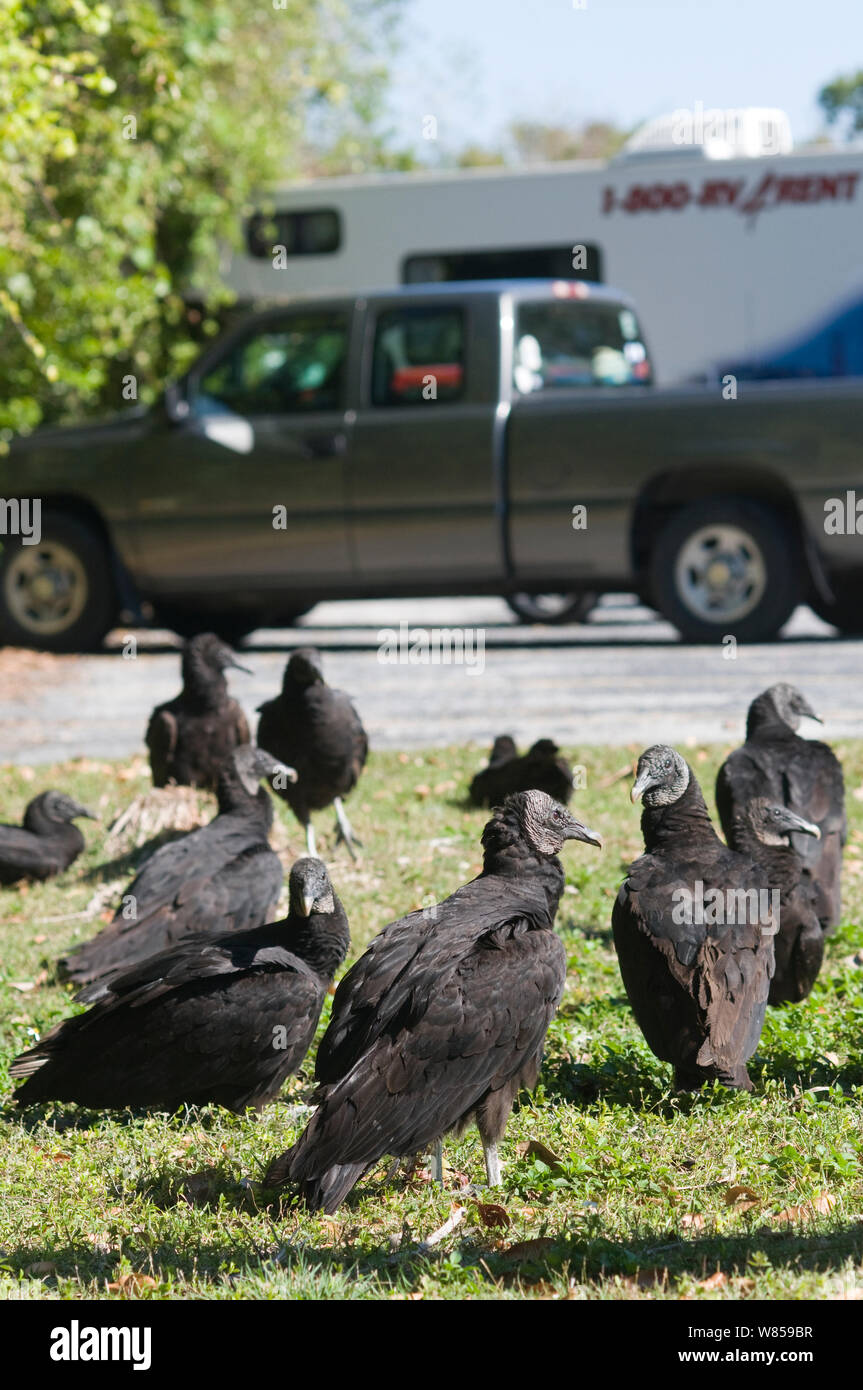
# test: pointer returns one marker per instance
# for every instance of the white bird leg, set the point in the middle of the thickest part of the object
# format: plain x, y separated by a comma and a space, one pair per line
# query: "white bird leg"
492, 1164
344, 830
311, 847
437, 1162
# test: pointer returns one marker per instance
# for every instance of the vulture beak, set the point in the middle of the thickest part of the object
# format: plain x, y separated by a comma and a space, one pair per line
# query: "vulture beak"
576, 831
642, 783
804, 708
237, 666
282, 770
83, 811
796, 825
307, 904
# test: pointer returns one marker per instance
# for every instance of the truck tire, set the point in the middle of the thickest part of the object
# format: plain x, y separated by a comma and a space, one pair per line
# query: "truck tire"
846, 612
551, 608
58, 595
726, 568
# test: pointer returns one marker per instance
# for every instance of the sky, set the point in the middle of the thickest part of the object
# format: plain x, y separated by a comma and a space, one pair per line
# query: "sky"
478, 64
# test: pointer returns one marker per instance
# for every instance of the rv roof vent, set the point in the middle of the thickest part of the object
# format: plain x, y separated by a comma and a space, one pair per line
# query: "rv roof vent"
713, 133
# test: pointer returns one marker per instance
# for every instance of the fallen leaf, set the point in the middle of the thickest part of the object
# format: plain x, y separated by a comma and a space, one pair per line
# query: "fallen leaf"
532, 1148
37, 940
692, 1221
527, 1249
820, 1205
198, 1188
457, 1215
715, 1281
41, 1269
741, 1197
746, 1285
645, 1278
492, 1214
831, 1058
23, 985
131, 1283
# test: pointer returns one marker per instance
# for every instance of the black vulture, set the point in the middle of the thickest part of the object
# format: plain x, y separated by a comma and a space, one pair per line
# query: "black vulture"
693, 930
190, 737
46, 843
218, 1019
762, 831
223, 877
444, 1017
317, 731
542, 767
802, 774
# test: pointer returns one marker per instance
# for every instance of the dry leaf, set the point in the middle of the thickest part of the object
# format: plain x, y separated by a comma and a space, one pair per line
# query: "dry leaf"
692, 1221
456, 1217
24, 986
741, 1197
831, 1058
715, 1281
820, 1205
532, 1148
492, 1214
527, 1249
746, 1285
198, 1188
131, 1283
37, 940
41, 1269
645, 1278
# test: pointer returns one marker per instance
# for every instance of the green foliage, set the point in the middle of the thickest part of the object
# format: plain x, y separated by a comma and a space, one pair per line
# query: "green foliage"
842, 99
630, 1198
133, 136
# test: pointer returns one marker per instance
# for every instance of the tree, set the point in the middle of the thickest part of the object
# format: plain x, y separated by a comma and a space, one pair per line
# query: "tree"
133, 138
843, 97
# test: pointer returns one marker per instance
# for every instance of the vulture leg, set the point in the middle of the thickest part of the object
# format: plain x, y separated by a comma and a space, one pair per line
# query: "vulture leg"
437, 1162
344, 831
311, 848
492, 1163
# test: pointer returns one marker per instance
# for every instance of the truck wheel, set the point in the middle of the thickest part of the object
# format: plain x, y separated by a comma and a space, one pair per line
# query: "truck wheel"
58, 595
726, 567
551, 608
846, 612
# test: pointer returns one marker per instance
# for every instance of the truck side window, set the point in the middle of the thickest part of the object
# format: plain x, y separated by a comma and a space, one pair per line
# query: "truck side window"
288, 367
578, 343
418, 356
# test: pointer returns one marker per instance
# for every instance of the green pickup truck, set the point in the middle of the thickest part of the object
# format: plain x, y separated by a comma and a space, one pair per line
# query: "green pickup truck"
477, 438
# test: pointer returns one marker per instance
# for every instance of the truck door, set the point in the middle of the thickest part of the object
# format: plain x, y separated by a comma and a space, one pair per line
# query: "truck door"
422, 487
266, 429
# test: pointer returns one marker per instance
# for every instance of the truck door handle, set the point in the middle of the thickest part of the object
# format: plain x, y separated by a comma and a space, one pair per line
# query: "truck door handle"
323, 446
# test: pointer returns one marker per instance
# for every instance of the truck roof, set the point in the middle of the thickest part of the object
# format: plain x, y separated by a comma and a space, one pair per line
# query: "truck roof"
518, 289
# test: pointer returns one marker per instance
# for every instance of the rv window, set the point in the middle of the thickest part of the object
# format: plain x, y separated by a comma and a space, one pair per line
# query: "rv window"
576, 343
316, 232
418, 356
513, 263
289, 367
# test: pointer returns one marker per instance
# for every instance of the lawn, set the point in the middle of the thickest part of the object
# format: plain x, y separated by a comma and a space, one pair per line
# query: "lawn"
613, 1187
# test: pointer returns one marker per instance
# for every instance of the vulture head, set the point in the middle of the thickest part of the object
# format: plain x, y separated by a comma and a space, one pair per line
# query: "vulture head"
772, 824
790, 705
310, 888
545, 824
59, 808
304, 668
252, 765
503, 749
207, 655
661, 777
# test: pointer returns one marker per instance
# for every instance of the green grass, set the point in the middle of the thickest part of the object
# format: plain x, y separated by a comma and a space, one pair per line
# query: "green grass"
636, 1206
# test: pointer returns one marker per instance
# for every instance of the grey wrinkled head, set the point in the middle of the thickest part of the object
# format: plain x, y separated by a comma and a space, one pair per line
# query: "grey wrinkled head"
305, 667
790, 705
772, 823
309, 888
547, 825
661, 777
503, 749
252, 765
207, 650
59, 807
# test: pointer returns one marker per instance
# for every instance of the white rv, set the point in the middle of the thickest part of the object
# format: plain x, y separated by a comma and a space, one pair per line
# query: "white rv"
734, 248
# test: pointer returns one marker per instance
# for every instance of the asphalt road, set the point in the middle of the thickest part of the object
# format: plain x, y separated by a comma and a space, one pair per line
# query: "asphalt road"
622, 678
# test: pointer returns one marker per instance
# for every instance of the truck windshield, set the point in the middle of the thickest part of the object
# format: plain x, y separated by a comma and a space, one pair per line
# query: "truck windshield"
576, 343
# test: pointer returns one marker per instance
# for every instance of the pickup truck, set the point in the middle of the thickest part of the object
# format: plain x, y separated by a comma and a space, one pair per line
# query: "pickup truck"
497, 437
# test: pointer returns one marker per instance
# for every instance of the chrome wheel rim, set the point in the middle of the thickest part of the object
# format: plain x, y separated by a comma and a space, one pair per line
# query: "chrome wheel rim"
45, 588
721, 574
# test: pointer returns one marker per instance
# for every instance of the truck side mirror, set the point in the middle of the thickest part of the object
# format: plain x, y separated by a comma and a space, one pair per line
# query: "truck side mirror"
177, 408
